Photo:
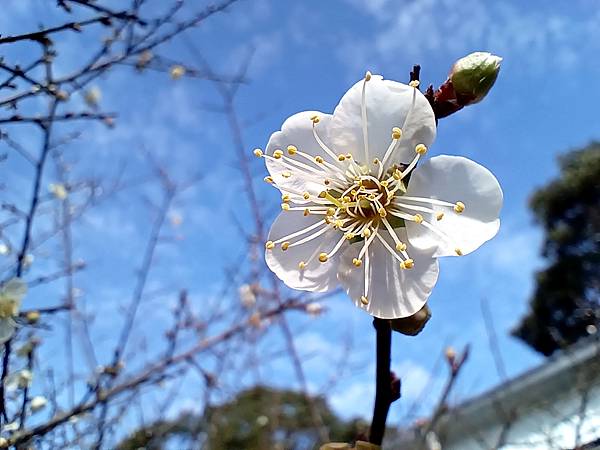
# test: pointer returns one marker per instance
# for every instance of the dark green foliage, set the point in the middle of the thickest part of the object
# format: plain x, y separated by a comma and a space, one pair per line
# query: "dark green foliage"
257, 419
566, 303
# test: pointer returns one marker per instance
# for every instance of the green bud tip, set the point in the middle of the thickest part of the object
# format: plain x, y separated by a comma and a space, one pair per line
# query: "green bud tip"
474, 75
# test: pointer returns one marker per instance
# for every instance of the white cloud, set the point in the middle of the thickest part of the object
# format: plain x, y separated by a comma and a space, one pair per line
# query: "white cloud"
456, 27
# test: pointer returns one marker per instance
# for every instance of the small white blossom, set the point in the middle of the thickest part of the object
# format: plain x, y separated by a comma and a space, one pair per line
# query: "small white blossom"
247, 296
361, 209
93, 96
314, 309
58, 190
12, 426
19, 380
11, 294
37, 403
177, 72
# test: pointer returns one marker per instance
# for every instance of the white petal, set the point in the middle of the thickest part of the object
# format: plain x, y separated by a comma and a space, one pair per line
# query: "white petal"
297, 130
7, 329
393, 292
389, 104
317, 276
453, 179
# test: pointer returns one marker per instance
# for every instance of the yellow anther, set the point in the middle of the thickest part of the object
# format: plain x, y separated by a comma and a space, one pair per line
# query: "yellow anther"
414, 83
258, 152
285, 245
376, 161
277, 154
338, 223
285, 206
397, 174
347, 199
407, 264
330, 212
322, 194
286, 174
328, 220
421, 149
319, 159
458, 251
315, 119
341, 157
292, 150
269, 245
382, 212
418, 218
401, 246
306, 212
459, 207
350, 236
371, 196
368, 76
357, 262
384, 183
354, 192
323, 257
285, 198
305, 195
364, 300
439, 216
301, 265
396, 133
268, 179
366, 232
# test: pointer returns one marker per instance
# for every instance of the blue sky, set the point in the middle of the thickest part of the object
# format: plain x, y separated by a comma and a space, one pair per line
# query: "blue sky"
306, 55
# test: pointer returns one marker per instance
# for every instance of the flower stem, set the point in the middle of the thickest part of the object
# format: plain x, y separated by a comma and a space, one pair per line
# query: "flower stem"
384, 395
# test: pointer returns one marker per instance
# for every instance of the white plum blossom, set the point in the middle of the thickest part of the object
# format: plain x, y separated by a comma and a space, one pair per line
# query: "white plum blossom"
358, 209
37, 403
11, 294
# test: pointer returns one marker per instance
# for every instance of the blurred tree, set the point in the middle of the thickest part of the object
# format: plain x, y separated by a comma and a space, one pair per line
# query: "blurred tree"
566, 303
257, 419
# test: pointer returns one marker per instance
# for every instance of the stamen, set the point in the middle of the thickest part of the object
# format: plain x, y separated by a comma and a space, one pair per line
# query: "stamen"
421, 149
310, 237
269, 245
285, 245
301, 265
277, 154
414, 83
268, 179
396, 135
408, 264
327, 150
258, 152
389, 248
323, 257
292, 150
459, 207
300, 232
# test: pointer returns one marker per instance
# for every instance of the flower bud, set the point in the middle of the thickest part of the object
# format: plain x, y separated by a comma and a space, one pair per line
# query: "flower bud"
473, 76
414, 324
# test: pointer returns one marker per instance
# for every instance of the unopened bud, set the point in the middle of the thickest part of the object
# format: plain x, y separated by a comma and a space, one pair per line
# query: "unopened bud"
412, 325
32, 316
473, 76
450, 355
